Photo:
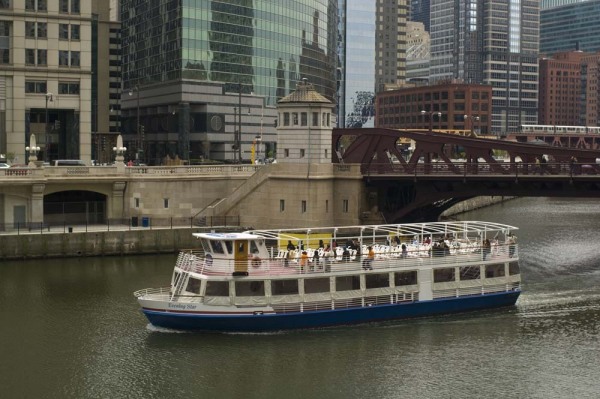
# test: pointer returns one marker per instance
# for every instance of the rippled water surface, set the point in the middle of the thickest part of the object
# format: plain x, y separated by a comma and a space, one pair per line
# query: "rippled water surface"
72, 329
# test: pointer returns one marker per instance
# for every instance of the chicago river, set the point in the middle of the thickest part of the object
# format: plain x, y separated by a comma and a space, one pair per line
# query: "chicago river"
71, 328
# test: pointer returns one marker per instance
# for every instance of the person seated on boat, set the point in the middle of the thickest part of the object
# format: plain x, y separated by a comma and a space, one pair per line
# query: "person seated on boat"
368, 262
404, 253
349, 244
321, 244
290, 253
427, 241
346, 255
290, 246
256, 260
303, 261
316, 262
487, 248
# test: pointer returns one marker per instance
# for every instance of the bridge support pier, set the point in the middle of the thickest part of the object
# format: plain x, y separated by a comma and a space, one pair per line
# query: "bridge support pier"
36, 210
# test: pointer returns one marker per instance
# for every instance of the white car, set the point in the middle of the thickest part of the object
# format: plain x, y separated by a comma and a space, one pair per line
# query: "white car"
4, 165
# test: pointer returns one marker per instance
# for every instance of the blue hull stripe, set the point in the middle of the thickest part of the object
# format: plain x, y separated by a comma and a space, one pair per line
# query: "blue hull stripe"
314, 319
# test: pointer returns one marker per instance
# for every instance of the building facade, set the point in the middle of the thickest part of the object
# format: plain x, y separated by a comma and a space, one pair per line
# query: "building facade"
418, 56
419, 12
561, 89
570, 27
454, 106
201, 79
494, 43
45, 78
371, 56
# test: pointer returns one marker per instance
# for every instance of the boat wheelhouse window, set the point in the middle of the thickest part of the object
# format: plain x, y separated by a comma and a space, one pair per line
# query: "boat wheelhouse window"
229, 246
405, 278
494, 270
347, 283
217, 247
443, 275
379, 280
470, 273
254, 246
513, 268
250, 288
217, 288
205, 245
316, 285
284, 287
193, 285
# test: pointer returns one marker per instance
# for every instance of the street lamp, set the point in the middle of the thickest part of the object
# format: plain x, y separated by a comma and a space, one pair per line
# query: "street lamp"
119, 150
139, 141
431, 115
32, 149
473, 119
49, 97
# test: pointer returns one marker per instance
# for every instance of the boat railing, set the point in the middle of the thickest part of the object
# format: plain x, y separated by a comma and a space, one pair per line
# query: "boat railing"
154, 292
386, 257
476, 290
333, 304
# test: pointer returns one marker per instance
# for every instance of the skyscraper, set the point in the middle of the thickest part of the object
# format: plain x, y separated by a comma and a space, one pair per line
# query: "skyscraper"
371, 56
570, 27
204, 76
491, 42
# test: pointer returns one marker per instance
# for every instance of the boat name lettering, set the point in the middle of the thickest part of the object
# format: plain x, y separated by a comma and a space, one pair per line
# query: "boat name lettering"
181, 306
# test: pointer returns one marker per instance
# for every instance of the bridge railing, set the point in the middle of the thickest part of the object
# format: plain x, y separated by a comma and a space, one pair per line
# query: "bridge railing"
481, 168
133, 223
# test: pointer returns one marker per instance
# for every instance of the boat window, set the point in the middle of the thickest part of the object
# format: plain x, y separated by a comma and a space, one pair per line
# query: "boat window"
253, 247
380, 280
284, 287
316, 285
513, 268
250, 288
205, 245
229, 246
405, 278
217, 247
494, 270
470, 273
217, 288
346, 283
193, 285
443, 275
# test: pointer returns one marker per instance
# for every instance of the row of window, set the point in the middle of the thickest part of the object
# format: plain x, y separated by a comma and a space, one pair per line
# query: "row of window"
40, 30
304, 208
318, 285
136, 204
64, 6
41, 87
40, 57
291, 119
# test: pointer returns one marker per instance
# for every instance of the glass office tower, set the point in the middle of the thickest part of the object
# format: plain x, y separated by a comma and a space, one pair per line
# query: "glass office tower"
570, 27
205, 75
494, 42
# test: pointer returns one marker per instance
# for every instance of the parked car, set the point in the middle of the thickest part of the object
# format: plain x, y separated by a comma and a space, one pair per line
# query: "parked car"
4, 165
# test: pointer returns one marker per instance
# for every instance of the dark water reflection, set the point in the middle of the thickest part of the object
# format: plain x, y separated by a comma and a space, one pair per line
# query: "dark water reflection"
72, 329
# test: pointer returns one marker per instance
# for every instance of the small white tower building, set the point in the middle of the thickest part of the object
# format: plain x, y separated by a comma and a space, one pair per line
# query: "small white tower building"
304, 126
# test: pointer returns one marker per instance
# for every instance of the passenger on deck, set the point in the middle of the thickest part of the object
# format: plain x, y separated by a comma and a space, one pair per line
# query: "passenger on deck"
256, 260
303, 261
290, 253
346, 255
328, 256
316, 262
512, 240
487, 248
321, 244
368, 262
404, 252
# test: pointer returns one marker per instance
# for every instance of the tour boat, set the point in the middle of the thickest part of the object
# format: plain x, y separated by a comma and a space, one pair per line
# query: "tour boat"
271, 280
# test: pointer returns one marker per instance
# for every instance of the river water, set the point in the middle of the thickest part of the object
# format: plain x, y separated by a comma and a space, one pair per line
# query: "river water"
70, 328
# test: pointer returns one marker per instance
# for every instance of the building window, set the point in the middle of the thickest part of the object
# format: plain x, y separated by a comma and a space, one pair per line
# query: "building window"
302, 153
29, 29
30, 5
315, 119
29, 56
137, 202
63, 58
42, 30
74, 32
303, 206
32, 86
326, 153
286, 119
295, 118
68, 88
281, 205
303, 119
75, 9
63, 6
286, 153
63, 31
345, 206
42, 57
75, 58
42, 5
4, 56
326, 206
166, 203
4, 3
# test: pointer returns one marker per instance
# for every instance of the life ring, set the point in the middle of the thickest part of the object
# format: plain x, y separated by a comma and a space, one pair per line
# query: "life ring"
256, 262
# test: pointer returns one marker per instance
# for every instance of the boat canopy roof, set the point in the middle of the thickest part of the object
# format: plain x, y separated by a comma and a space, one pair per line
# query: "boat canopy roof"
228, 236
457, 228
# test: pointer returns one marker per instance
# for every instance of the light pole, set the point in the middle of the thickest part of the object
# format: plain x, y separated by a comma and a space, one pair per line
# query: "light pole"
139, 141
473, 119
49, 97
431, 115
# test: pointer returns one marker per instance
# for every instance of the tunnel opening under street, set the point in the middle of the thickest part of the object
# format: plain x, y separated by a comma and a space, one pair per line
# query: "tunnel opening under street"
75, 207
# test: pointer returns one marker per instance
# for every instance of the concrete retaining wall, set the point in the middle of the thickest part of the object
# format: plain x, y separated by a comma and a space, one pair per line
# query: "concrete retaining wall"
474, 203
